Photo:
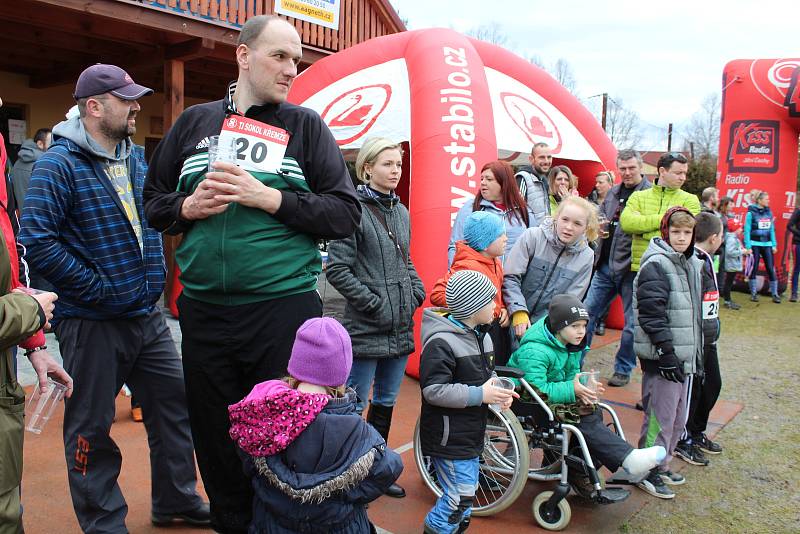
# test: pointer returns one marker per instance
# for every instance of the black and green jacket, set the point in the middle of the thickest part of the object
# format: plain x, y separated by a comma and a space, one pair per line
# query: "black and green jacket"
246, 255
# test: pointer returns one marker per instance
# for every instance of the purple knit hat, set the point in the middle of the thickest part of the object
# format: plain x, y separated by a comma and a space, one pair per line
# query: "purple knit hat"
322, 353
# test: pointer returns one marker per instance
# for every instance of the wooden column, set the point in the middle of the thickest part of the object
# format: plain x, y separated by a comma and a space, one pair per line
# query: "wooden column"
173, 107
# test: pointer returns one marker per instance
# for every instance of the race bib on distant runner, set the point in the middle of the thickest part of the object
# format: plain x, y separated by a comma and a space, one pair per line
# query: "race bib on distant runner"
259, 146
764, 224
711, 305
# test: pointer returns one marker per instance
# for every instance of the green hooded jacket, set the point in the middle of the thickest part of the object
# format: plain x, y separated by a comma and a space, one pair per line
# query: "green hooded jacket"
547, 364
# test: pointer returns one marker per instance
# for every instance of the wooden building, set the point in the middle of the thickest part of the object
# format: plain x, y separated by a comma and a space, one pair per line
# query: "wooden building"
184, 49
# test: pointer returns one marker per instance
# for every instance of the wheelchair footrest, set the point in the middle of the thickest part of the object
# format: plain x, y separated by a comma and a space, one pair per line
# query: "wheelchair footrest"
611, 495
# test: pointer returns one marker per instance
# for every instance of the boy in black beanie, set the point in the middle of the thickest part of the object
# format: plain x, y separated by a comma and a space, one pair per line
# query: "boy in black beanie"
550, 355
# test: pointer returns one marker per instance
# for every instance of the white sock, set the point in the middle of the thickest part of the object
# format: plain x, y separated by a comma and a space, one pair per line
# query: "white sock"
640, 461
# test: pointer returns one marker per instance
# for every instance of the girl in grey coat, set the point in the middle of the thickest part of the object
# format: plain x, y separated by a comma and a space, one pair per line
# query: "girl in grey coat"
373, 272
550, 259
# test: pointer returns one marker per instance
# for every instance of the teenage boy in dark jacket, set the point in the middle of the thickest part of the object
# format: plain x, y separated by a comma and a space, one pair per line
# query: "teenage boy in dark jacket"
704, 389
667, 338
456, 377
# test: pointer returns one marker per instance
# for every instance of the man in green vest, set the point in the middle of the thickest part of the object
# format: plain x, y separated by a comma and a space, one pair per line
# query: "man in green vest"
643, 212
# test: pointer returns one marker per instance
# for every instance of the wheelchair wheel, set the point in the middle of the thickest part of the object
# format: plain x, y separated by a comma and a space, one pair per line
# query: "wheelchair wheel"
504, 464
560, 517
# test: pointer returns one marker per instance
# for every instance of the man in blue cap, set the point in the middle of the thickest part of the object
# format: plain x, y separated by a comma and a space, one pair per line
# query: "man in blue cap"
85, 232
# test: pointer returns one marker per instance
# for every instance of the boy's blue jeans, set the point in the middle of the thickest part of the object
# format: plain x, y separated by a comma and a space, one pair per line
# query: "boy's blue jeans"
459, 480
604, 289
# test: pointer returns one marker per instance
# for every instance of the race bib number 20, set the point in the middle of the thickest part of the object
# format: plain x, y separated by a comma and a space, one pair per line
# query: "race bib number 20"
259, 146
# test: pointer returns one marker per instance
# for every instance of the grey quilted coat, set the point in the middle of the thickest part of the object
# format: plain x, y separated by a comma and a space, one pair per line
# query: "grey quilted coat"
378, 281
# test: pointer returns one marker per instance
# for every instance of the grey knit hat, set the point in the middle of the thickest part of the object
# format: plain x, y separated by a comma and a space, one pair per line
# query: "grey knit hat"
467, 292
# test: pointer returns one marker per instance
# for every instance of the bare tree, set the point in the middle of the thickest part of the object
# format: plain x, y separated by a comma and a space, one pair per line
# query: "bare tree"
562, 72
537, 60
703, 129
491, 33
622, 125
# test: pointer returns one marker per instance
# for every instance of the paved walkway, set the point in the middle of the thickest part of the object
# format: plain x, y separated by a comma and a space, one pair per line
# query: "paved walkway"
48, 507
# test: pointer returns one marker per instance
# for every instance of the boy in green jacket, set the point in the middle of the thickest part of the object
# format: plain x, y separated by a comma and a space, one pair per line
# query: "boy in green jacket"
550, 355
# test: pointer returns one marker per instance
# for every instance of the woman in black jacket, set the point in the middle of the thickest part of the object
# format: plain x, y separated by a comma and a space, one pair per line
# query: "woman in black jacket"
373, 272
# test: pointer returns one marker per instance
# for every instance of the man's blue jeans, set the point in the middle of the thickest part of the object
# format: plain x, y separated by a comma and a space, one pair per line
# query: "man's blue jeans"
604, 289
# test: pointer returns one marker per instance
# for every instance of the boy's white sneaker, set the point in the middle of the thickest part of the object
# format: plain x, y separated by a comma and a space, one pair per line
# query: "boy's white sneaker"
640, 461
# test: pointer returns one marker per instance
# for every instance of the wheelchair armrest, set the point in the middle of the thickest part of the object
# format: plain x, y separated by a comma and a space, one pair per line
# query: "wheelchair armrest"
510, 372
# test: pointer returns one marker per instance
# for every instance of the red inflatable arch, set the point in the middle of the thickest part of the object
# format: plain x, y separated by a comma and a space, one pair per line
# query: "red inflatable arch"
459, 103
758, 140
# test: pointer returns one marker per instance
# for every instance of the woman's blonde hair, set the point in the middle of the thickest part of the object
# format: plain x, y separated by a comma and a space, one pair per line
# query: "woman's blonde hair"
592, 224
608, 175
756, 195
336, 392
370, 151
551, 177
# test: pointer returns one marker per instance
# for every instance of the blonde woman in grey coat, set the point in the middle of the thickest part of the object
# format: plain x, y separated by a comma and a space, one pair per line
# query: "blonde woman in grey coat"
373, 272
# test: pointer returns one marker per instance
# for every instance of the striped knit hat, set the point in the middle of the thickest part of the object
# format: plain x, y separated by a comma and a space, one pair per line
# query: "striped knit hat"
467, 292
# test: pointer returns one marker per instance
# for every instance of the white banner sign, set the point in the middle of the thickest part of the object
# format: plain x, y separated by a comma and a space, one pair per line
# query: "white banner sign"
321, 12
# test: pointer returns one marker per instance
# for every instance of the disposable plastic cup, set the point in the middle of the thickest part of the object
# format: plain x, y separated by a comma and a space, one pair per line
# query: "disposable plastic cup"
220, 151
502, 382
590, 379
41, 405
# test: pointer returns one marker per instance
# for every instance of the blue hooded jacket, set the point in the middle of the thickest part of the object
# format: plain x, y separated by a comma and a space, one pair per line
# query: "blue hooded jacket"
323, 479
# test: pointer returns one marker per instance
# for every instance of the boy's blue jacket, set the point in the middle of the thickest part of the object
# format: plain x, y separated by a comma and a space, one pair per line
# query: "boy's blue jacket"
547, 364
78, 236
323, 479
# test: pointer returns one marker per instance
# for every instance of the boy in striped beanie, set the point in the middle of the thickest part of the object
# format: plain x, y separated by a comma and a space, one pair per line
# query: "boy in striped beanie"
457, 381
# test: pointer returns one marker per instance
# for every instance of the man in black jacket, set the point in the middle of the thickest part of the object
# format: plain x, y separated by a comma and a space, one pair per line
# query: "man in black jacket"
613, 274
249, 259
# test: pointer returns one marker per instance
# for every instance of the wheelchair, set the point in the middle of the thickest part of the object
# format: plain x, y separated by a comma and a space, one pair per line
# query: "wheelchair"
526, 443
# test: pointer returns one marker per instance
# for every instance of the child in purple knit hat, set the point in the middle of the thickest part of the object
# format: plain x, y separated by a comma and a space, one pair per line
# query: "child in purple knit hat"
314, 462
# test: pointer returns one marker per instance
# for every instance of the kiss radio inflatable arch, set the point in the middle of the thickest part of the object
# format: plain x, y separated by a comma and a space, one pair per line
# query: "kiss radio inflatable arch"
758, 140
459, 103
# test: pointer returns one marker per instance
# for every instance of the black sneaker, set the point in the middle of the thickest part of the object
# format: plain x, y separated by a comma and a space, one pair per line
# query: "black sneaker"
793, 298
754, 297
690, 453
619, 380
706, 445
776, 299
200, 516
654, 485
732, 305
600, 330
670, 478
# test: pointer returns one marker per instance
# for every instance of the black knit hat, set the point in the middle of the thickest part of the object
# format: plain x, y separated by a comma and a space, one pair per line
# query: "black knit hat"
564, 310
467, 292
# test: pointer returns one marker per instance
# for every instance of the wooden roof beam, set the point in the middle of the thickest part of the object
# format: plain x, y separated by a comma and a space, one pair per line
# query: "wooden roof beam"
191, 49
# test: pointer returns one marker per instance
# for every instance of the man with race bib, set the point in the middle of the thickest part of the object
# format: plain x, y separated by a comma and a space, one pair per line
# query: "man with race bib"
249, 259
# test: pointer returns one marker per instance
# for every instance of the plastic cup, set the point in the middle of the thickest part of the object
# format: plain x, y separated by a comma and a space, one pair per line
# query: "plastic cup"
41, 405
502, 382
590, 379
220, 152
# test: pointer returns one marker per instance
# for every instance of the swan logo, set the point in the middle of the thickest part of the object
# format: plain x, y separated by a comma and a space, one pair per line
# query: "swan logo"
532, 120
352, 114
